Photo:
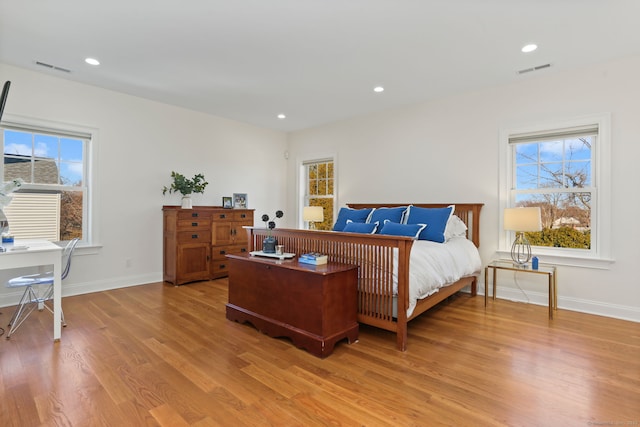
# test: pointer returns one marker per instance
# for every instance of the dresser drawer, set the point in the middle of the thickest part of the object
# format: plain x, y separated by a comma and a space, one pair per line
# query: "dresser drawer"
233, 215
243, 217
194, 224
219, 268
193, 214
221, 252
194, 236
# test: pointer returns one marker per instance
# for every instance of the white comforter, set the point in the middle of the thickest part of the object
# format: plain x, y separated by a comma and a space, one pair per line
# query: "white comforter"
434, 265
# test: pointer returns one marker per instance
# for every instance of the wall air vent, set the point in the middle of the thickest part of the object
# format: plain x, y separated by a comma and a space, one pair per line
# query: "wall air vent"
52, 67
536, 68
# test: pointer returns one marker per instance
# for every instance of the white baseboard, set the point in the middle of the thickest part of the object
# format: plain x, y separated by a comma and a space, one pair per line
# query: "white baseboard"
512, 294
568, 303
12, 297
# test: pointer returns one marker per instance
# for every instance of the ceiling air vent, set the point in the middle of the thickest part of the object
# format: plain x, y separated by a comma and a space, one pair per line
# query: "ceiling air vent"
536, 68
52, 67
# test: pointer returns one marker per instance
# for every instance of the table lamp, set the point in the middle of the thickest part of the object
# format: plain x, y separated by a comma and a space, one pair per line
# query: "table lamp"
521, 220
312, 214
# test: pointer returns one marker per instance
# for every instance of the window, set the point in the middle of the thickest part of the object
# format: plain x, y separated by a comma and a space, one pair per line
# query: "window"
319, 189
53, 165
564, 169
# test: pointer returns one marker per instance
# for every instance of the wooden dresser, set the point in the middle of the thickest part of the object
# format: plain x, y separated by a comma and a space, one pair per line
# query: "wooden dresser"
196, 241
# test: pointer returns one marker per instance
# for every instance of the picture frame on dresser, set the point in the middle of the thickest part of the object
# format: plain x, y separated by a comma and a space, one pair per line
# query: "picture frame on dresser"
227, 202
240, 200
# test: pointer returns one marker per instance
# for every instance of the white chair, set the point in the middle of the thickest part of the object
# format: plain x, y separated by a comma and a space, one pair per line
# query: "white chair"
38, 290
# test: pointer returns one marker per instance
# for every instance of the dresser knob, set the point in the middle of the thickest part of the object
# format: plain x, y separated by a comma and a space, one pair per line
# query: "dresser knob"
194, 224
194, 236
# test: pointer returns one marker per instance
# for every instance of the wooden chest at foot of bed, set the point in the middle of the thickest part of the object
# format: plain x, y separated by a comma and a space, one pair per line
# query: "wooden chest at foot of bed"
313, 305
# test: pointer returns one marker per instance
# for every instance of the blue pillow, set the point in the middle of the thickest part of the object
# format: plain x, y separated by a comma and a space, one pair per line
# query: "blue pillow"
360, 227
435, 218
407, 230
380, 215
355, 215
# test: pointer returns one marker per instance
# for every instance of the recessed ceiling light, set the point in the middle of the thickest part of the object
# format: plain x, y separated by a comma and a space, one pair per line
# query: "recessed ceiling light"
378, 89
92, 61
282, 116
529, 48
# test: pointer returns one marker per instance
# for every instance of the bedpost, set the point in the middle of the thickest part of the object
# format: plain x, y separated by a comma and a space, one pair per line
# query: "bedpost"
403, 294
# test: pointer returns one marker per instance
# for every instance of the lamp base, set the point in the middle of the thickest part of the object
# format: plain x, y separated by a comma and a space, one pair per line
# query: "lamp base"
520, 249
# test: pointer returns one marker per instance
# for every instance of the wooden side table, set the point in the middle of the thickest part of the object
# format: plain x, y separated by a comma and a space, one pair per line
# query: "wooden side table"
313, 305
548, 269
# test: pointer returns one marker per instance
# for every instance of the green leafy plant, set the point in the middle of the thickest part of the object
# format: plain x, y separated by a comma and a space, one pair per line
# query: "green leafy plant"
186, 186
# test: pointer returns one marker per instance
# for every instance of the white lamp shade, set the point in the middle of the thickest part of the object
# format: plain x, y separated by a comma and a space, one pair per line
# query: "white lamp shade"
313, 213
522, 219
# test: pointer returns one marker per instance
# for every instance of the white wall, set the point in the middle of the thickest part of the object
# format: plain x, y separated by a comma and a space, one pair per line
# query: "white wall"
447, 151
140, 143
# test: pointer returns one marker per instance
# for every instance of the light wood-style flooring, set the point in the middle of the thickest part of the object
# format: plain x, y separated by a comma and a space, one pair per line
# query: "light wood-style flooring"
162, 355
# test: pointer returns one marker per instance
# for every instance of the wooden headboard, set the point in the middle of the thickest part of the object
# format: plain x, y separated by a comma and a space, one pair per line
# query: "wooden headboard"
469, 213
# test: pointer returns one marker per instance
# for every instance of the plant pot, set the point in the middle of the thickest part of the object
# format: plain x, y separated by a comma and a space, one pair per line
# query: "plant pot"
186, 202
269, 245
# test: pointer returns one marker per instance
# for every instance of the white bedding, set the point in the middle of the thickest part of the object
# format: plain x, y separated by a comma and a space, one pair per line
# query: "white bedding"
433, 265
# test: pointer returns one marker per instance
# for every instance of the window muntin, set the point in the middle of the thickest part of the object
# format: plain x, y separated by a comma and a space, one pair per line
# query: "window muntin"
49, 162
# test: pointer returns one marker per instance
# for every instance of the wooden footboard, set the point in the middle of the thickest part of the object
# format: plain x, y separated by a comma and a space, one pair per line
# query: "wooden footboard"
374, 254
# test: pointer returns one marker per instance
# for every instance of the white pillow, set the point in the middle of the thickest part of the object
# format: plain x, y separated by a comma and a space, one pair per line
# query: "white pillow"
455, 228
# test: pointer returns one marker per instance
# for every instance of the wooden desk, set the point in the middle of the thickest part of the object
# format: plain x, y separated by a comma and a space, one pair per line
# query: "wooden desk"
39, 252
314, 306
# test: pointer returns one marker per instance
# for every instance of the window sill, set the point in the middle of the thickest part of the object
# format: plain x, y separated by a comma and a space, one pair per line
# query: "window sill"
568, 261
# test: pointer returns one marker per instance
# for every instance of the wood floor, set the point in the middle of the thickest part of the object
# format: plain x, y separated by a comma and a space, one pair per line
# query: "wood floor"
164, 355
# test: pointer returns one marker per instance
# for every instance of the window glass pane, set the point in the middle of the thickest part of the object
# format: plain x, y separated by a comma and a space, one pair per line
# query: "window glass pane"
45, 146
551, 175
313, 187
45, 172
71, 173
551, 151
17, 168
579, 149
579, 174
71, 150
322, 187
527, 177
322, 170
526, 153
71, 215
17, 143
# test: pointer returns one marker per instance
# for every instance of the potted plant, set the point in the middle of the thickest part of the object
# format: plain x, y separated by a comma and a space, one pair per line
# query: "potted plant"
186, 187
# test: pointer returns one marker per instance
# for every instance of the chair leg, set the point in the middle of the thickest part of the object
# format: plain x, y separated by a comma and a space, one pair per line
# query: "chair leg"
20, 306
28, 298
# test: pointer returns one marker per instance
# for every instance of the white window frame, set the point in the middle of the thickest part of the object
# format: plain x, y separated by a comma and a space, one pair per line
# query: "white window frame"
301, 163
91, 234
600, 255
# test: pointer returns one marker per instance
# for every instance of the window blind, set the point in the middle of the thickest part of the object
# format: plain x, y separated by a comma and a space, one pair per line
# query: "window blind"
554, 135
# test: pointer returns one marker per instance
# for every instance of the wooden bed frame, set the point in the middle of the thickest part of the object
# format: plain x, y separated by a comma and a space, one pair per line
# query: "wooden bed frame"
373, 253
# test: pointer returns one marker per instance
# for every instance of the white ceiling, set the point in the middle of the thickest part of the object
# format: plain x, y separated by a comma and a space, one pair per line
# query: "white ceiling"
316, 61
